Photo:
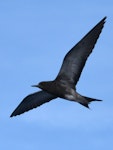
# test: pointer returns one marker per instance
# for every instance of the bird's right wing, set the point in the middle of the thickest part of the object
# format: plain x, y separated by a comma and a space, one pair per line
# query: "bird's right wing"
32, 101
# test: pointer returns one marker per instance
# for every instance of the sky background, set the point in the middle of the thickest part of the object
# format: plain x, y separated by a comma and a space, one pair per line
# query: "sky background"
34, 37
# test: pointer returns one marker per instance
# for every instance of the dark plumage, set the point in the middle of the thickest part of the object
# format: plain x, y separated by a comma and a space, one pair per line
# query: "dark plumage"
64, 84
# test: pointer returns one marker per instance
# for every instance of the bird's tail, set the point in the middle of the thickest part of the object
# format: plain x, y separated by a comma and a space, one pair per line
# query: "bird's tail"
85, 101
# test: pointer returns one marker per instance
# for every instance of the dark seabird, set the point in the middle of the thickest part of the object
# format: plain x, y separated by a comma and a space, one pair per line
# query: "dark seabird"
64, 84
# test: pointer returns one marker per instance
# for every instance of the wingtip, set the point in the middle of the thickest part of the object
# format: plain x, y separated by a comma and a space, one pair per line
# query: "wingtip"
102, 21
15, 114
12, 115
105, 18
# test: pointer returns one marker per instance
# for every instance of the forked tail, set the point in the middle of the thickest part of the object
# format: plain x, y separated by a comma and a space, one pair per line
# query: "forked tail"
86, 100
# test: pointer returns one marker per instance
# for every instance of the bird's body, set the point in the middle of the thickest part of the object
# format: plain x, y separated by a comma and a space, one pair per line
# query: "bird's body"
57, 88
64, 85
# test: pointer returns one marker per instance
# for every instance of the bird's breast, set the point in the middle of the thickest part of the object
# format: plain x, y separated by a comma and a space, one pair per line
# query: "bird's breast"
71, 95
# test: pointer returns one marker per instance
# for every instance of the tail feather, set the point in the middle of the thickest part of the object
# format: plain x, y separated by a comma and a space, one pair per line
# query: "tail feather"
86, 100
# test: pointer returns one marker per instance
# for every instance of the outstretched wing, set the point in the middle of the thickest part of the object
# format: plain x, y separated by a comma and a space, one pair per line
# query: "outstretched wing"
75, 59
32, 101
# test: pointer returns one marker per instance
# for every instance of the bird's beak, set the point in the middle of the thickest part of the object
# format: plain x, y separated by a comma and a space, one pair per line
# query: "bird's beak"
35, 85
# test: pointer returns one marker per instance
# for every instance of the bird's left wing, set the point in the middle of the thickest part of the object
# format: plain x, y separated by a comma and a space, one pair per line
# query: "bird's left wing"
32, 101
75, 59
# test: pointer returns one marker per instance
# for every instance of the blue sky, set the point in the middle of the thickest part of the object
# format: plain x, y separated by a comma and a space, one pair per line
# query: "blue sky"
34, 37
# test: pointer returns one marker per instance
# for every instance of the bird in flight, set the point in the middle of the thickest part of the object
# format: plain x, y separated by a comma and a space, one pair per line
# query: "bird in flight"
64, 85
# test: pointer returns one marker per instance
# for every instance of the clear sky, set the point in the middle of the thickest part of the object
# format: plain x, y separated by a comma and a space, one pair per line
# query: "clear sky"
34, 37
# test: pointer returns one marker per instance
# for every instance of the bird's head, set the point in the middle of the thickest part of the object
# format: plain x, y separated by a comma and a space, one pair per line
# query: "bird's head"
41, 85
